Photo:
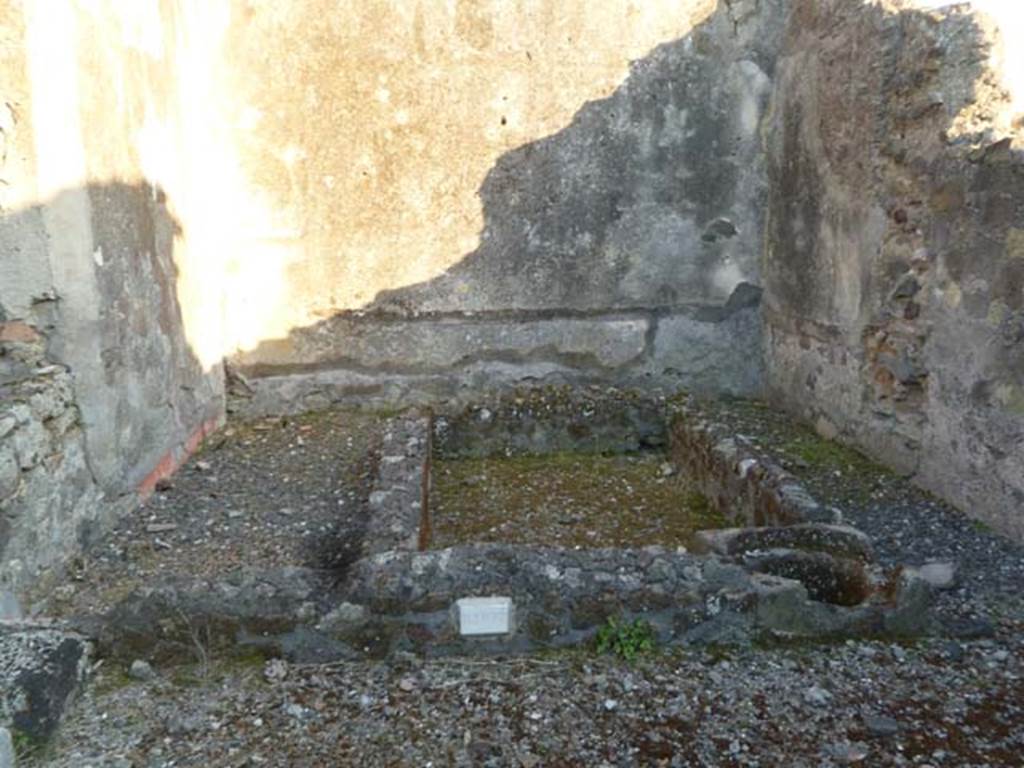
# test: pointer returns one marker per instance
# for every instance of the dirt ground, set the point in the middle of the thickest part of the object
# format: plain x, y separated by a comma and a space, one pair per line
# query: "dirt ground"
271, 493
566, 500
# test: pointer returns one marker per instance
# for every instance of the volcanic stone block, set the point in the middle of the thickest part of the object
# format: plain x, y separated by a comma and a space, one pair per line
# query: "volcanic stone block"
834, 580
40, 669
838, 540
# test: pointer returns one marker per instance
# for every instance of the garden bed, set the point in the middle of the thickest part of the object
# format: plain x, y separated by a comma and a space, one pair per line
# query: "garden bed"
572, 500
570, 513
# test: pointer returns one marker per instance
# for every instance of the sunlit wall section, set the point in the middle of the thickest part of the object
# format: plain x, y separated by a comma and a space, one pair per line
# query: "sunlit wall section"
370, 127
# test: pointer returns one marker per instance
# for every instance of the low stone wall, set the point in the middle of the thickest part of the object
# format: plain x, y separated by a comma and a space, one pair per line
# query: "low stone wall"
803, 579
742, 481
539, 420
409, 601
383, 361
561, 597
186, 619
398, 514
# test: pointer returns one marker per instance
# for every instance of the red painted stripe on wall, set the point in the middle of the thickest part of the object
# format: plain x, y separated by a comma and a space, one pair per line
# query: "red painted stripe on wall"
174, 458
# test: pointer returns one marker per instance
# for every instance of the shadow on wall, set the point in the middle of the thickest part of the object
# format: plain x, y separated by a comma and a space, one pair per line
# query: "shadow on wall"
637, 203
894, 270
100, 393
625, 245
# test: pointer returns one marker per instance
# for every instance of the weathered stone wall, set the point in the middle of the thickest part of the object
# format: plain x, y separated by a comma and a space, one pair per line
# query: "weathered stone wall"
474, 193
894, 270
101, 391
49, 501
742, 481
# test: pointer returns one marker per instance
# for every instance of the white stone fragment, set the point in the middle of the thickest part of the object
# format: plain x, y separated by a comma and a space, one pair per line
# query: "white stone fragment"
940, 575
6, 749
746, 465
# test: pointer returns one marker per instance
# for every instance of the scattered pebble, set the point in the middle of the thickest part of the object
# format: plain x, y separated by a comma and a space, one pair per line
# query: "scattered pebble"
880, 725
275, 670
141, 670
817, 695
938, 575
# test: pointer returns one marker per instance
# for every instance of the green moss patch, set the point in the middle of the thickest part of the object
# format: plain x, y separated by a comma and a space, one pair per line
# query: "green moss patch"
820, 453
566, 500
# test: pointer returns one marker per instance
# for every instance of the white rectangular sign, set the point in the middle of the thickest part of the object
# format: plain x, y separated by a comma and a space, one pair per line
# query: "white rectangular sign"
485, 615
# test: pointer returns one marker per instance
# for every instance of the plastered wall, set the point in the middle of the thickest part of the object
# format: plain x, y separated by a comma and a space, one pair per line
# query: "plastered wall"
475, 193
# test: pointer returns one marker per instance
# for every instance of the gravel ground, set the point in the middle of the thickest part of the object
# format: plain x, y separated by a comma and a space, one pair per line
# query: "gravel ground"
276, 492
938, 702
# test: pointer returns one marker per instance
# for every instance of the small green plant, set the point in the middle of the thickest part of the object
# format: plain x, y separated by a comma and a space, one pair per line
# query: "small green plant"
26, 746
980, 526
626, 639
